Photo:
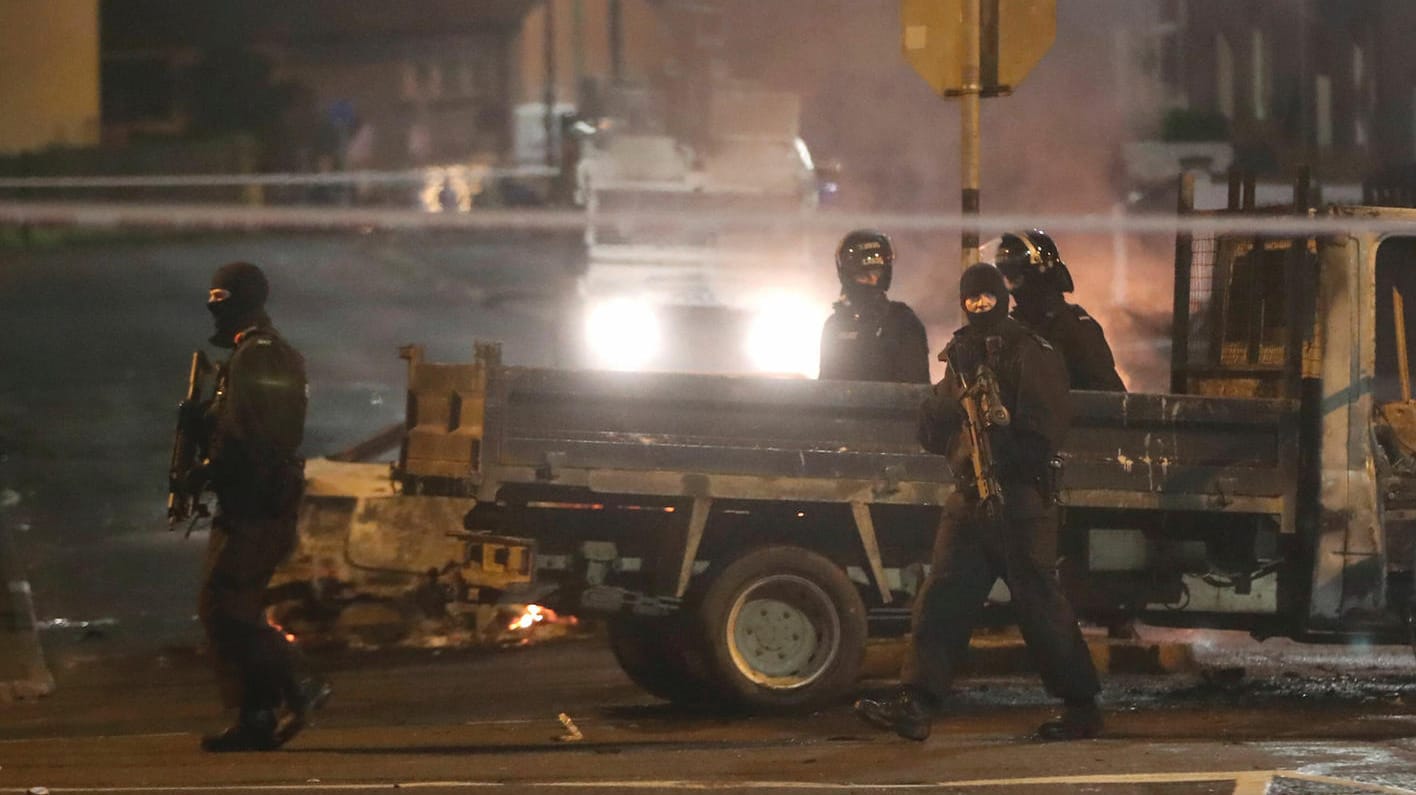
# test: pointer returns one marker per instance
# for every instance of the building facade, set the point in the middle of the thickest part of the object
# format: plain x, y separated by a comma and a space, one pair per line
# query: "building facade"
49, 56
423, 82
1321, 82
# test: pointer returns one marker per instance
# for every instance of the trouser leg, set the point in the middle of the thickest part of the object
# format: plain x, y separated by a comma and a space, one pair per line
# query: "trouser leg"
1046, 620
253, 660
947, 605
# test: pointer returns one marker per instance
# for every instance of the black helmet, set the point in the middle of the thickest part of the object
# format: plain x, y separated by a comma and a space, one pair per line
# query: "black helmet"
861, 252
1033, 254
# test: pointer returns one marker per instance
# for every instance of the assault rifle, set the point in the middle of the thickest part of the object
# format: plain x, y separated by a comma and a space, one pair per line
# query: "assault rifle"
183, 495
983, 410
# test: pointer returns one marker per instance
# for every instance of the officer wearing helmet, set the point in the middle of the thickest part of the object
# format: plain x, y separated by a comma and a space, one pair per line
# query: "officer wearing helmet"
1038, 278
250, 433
869, 337
972, 547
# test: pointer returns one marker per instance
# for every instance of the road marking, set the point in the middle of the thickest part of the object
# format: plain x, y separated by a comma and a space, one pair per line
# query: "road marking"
81, 737
1248, 782
1256, 784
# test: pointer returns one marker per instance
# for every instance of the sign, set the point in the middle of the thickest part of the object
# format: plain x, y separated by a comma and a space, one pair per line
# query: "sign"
1013, 37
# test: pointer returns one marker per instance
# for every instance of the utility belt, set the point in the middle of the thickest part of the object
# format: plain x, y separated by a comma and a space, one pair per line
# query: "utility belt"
265, 490
1046, 477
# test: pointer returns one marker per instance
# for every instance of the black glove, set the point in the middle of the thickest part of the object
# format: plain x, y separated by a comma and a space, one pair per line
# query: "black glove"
939, 419
198, 478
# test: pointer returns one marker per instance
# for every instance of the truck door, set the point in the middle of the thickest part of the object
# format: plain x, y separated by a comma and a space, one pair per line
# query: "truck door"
1394, 420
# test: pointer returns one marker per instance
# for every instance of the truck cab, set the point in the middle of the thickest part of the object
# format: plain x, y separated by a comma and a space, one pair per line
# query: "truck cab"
1318, 322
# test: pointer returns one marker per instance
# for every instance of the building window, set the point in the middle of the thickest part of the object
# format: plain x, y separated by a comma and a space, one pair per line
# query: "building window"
1322, 110
137, 90
1359, 111
1413, 124
1259, 71
1224, 75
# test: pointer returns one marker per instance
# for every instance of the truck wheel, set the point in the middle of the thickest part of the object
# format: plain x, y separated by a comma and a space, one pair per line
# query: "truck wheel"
651, 652
783, 628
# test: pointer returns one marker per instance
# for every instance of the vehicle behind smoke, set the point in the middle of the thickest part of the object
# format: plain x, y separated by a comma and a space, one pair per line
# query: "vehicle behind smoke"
671, 283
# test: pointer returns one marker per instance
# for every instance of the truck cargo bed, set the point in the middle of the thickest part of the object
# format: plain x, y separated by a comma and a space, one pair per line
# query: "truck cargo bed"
796, 439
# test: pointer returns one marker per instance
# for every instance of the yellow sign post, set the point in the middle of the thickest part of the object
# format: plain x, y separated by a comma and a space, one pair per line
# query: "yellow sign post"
971, 49
1012, 36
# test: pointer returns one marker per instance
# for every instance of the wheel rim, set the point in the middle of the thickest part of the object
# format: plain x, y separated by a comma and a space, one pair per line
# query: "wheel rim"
783, 632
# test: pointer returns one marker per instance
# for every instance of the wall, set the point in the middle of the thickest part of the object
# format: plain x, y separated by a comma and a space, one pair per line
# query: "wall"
48, 74
582, 48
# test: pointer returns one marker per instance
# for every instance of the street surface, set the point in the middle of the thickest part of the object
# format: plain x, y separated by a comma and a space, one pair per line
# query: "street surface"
127, 714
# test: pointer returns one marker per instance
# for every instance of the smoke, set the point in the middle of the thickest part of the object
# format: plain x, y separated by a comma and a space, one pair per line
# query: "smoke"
1054, 145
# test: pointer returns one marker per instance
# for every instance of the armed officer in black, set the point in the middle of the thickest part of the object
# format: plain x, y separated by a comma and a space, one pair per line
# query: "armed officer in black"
869, 337
252, 430
972, 549
1038, 278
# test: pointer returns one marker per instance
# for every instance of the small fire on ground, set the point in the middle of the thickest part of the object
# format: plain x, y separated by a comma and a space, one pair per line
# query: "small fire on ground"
526, 624
531, 615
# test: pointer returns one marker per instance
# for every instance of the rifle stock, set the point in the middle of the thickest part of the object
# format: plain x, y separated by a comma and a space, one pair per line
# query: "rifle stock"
183, 497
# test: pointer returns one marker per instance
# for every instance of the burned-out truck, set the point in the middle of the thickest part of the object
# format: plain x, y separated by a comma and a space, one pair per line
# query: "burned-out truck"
744, 536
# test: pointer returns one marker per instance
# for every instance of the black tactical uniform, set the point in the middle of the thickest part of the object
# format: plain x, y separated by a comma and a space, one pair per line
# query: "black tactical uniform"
875, 339
254, 426
869, 337
971, 552
1039, 278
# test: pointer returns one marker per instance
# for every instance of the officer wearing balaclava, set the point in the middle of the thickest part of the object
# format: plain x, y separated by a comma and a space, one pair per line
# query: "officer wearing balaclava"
253, 428
971, 550
868, 337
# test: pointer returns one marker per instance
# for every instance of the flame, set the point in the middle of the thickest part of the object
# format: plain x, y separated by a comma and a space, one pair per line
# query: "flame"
530, 617
285, 633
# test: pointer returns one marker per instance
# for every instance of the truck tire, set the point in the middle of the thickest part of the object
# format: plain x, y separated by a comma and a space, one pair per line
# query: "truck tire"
782, 628
652, 653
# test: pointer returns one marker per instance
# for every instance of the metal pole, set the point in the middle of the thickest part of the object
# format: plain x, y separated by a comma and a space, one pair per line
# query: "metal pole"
615, 27
969, 131
1398, 310
1180, 309
577, 43
548, 95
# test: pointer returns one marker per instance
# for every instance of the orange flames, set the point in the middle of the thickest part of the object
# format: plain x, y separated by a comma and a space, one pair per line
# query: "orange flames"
285, 633
530, 616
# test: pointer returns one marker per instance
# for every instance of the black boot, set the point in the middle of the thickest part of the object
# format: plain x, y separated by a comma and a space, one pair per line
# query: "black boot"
1078, 721
254, 731
302, 700
907, 713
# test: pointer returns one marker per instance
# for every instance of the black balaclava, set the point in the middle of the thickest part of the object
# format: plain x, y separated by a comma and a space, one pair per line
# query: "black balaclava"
244, 307
984, 278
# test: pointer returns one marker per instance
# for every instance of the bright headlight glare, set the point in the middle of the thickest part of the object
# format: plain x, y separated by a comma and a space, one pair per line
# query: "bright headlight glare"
623, 334
785, 336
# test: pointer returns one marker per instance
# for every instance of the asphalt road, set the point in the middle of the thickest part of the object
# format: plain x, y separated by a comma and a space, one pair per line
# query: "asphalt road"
126, 717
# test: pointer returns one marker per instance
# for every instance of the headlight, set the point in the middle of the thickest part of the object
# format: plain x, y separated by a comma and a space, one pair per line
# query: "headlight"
785, 336
623, 334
